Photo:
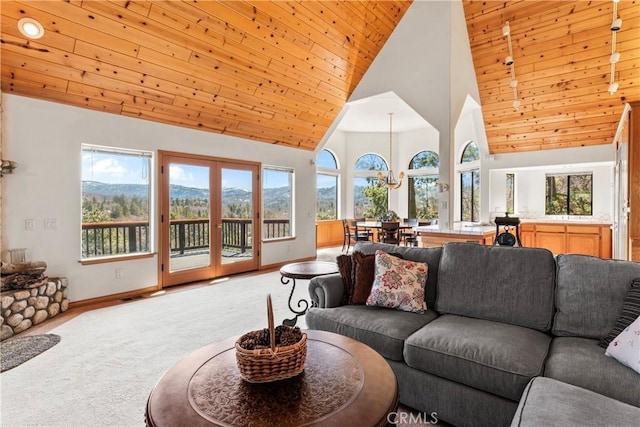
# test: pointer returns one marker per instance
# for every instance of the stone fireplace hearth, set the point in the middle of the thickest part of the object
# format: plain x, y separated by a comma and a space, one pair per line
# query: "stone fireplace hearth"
29, 298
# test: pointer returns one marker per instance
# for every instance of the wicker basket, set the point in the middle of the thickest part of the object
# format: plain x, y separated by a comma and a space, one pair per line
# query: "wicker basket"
271, 364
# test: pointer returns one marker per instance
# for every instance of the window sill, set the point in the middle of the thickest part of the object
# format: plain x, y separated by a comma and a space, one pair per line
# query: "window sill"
280, 239
116, 258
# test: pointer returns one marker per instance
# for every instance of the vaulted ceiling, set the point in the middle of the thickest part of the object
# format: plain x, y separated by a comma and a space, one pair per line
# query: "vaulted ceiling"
280, 72
561, 52
272, 71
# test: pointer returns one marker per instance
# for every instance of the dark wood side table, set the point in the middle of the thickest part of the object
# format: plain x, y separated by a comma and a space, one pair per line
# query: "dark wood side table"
345, 383
303, 270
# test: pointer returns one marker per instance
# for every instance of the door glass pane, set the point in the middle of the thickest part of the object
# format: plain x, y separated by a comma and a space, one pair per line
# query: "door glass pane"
189, 200
237, 213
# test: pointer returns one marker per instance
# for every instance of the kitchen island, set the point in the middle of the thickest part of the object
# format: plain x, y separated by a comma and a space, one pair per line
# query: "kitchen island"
431, 235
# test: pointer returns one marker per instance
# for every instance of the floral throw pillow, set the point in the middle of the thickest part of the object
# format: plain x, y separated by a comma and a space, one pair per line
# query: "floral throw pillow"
398, 283
625, 348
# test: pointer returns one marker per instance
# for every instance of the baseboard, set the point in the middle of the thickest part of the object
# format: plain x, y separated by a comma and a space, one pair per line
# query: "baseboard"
113, 297
277, 266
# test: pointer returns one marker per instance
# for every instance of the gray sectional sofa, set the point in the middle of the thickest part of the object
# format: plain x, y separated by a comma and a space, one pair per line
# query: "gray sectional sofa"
497, 318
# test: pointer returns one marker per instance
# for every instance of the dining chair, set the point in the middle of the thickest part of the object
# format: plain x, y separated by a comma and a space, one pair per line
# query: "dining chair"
390, 232
408, 236
346, 239
355, 233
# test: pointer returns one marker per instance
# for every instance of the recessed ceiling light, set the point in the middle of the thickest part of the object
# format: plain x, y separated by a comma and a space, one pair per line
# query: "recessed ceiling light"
30, 28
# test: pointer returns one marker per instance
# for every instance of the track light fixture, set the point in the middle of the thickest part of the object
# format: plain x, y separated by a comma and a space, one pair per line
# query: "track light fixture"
616, 24
508, 61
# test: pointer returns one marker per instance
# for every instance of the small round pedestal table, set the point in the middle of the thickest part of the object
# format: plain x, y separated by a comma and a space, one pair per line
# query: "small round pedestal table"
303, 270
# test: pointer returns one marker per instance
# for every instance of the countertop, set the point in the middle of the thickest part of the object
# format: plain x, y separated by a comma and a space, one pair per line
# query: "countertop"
478, 230
481, 229
565, 221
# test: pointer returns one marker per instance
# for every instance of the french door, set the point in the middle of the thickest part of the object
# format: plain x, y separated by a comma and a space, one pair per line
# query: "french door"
208, 217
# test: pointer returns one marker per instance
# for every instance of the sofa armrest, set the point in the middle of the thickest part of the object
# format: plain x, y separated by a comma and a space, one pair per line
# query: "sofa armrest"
326, 291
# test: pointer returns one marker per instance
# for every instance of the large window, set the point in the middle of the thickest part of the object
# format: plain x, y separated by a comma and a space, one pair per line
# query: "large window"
326, 186
277, 203
116, 192
470, 183
423, 185
370, 199
569, 194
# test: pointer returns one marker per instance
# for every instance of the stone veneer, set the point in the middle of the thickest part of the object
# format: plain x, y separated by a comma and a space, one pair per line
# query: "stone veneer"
24, 308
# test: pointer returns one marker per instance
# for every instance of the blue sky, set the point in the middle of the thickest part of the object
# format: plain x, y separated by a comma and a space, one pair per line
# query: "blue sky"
113, 168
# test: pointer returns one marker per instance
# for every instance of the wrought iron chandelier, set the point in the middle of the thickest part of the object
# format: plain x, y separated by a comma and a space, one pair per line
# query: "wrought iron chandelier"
390, 180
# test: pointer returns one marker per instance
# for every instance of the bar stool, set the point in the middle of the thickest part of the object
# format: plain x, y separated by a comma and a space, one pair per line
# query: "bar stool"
506, 238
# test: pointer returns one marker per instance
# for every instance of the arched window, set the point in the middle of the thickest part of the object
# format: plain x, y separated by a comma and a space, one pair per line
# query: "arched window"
327, 160
470, 153
470, 183
425, 160
369, 199
327, 178
370, 162
423, 185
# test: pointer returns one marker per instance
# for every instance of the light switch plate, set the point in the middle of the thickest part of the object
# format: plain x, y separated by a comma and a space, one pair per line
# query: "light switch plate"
50, 224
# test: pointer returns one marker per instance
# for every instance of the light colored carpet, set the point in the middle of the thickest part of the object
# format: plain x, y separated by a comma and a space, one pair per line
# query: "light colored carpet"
108, 360
103, 369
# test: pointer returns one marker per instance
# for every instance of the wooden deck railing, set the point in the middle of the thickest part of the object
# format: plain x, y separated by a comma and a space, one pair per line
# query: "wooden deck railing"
185, 235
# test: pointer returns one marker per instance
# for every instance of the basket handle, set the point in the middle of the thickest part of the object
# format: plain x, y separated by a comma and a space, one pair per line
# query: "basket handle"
272, 330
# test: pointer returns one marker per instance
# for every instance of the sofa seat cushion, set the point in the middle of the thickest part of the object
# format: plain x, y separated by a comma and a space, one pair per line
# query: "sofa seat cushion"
382, 329
582, 362
495, 357
547, 402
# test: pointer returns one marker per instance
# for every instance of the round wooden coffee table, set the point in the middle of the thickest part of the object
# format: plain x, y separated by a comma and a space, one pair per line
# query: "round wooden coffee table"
344, 383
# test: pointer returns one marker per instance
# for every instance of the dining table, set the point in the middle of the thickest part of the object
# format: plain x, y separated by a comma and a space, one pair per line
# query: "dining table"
377, 226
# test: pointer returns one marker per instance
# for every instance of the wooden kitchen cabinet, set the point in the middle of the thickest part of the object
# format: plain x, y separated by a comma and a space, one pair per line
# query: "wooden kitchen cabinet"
555, 242
527, 235
585, 239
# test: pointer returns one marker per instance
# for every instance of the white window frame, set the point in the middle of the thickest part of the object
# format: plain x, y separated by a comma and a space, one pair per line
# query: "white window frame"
335, 173
292, 205
150, 233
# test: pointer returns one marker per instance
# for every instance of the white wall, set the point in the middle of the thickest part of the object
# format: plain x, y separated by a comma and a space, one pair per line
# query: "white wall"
530, 168
427, 62
530, 190
45, 139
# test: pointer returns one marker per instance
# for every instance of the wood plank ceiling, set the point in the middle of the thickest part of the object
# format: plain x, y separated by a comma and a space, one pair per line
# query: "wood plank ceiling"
279, 72
561, 53
273, 71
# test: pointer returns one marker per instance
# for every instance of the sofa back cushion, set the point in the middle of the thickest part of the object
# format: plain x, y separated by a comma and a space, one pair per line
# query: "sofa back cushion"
499, 283
431, 256
590, 294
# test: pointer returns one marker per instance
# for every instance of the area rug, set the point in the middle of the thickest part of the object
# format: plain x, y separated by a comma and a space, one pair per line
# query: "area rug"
16, 351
